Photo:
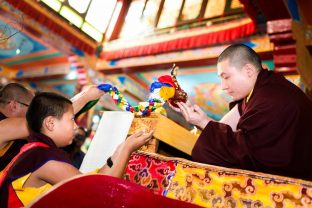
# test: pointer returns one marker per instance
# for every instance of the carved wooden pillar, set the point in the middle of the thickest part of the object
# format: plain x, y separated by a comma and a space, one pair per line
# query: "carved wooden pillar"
284, 50
304, 52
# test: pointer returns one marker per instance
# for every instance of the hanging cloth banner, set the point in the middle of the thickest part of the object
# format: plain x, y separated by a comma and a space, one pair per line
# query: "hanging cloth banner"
193, 38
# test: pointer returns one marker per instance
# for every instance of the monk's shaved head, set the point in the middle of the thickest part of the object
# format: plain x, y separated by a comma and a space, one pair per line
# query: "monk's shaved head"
14, 91
239, 55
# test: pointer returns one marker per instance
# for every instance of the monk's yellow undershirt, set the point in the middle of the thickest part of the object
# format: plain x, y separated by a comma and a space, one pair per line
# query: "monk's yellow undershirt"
249, 95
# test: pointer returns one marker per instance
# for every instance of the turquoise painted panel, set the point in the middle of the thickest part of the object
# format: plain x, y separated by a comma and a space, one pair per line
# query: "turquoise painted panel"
12, 40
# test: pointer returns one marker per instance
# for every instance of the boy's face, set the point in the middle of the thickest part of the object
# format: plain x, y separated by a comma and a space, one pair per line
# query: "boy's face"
65, 128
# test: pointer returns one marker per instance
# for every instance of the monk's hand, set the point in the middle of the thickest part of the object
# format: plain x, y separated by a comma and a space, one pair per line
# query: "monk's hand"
137, 140
177, 109
194, 114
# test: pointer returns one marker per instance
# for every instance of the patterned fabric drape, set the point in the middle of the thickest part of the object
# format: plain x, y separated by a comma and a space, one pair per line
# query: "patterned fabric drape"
212, 186
150, 172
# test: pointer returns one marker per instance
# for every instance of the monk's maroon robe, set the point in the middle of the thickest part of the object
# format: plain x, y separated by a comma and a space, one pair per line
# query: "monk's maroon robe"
274, 132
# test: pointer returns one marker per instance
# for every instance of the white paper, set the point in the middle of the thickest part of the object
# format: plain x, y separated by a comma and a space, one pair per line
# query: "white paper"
112, 131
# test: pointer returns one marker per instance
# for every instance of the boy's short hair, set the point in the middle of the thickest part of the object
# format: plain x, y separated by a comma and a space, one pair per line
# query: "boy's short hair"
45, 104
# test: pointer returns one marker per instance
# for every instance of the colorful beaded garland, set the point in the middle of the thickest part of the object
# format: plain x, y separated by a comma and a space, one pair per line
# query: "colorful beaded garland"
159, 94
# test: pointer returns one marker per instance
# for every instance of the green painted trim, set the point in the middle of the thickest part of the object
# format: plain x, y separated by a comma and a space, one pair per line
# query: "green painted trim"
270, 64
34, 58
140, 76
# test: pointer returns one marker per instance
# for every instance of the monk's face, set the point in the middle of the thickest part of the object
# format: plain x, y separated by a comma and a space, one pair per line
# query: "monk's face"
238, 83
19, 107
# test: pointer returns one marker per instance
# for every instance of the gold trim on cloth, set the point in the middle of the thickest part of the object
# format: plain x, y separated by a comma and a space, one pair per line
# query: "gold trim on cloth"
213, 186
5, 148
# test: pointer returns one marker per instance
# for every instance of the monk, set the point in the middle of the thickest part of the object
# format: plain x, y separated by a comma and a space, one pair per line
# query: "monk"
268, 128
14, 102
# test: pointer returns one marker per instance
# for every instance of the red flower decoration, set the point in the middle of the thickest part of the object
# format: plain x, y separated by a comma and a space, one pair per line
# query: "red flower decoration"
166, 79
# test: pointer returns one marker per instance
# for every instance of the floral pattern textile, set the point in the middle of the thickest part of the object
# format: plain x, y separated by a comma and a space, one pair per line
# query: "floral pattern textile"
150, 172
213, 186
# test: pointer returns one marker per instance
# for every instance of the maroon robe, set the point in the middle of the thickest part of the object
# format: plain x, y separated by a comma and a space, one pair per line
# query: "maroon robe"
29, 161
12, 151
274, 132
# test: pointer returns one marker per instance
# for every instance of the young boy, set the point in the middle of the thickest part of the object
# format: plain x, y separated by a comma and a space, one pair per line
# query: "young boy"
40, 164
14, 102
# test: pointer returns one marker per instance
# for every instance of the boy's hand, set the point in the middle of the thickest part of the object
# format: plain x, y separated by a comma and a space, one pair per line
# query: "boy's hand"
137, 140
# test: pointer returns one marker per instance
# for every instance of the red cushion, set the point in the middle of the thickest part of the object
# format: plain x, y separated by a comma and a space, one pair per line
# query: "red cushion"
104, 191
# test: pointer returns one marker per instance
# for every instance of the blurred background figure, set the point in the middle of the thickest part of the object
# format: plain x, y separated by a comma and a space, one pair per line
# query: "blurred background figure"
73, 150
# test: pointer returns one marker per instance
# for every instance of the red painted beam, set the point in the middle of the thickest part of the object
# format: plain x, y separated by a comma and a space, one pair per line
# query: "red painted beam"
193, 63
